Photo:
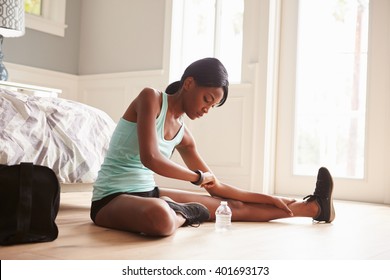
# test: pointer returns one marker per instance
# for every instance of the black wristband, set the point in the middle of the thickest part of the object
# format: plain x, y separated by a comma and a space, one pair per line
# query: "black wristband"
201, 177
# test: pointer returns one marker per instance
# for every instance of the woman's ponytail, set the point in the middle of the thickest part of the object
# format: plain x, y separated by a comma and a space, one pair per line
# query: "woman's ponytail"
173, 87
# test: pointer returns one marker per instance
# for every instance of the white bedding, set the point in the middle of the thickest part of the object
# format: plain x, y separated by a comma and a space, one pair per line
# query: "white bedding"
67, 136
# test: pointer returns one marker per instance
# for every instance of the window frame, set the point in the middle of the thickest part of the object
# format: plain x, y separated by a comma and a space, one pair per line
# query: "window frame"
176, 45
52, 20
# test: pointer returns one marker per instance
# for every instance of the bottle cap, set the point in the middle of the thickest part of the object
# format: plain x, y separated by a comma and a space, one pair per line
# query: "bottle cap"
224, 203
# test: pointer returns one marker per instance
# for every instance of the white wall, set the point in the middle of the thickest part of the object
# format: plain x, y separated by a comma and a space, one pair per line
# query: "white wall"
120, 36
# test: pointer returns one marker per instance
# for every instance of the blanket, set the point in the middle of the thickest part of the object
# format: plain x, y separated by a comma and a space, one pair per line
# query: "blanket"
69, 137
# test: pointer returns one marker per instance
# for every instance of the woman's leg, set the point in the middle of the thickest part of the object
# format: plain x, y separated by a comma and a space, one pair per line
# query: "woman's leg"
318, 206
151, 216
254, 212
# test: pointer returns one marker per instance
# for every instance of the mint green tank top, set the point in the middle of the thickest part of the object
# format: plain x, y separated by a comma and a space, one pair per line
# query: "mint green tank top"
122, 169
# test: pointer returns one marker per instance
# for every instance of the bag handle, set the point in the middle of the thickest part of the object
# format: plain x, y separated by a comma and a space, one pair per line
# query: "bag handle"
25, 199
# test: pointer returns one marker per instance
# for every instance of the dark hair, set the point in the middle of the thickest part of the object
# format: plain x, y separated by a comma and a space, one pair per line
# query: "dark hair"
207, 72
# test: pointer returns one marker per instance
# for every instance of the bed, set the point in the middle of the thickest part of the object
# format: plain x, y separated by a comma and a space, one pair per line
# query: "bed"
69, 137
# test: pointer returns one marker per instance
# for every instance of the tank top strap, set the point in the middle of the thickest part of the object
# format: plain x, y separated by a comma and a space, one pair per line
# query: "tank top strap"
164, 107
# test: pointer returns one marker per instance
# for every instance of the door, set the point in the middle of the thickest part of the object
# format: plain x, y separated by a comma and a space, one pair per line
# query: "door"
334, 96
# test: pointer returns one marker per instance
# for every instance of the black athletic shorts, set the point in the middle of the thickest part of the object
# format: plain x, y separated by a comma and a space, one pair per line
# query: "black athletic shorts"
99, 204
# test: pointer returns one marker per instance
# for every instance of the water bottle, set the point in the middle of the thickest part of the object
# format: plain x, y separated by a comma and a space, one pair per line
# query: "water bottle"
223, 217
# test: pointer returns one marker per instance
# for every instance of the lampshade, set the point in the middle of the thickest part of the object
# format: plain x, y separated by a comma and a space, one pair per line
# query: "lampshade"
11, 25
11, 18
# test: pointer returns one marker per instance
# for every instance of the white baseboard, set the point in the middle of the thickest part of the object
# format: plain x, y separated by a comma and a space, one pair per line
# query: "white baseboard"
113, 92
46, 78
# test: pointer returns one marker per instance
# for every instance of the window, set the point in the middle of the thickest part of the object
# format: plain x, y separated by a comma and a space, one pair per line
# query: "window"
331, 87
333, 98
46, 16
33, 7
207, 28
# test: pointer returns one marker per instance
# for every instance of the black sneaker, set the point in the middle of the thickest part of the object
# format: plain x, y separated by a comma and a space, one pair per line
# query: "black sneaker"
323, 196
194, 213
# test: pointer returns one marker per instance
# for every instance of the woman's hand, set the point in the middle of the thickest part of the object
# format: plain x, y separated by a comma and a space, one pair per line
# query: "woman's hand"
209, 180
283, 203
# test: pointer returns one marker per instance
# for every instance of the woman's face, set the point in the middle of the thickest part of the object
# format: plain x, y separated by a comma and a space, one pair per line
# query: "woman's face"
199, 100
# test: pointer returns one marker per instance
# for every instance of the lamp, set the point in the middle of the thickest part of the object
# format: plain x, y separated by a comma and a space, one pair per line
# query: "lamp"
11, 25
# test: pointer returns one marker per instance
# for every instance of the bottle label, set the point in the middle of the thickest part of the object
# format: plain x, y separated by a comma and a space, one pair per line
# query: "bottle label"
223, 219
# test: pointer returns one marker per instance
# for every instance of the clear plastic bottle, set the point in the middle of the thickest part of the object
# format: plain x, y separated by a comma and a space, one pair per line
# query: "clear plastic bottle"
223, 217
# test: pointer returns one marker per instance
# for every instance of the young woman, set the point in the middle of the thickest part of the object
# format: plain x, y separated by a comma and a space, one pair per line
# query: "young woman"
125, 195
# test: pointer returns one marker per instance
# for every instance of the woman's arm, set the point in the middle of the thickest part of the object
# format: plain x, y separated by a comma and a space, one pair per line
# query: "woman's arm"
144, 110
193, 160
189, 153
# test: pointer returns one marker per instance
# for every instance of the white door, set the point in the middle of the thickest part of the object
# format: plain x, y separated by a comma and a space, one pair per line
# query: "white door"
334, 98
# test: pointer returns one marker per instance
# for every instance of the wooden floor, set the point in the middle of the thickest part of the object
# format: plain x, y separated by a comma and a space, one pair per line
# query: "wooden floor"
360, 232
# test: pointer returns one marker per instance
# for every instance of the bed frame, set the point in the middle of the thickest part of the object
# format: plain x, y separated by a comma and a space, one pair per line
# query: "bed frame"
31, 89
